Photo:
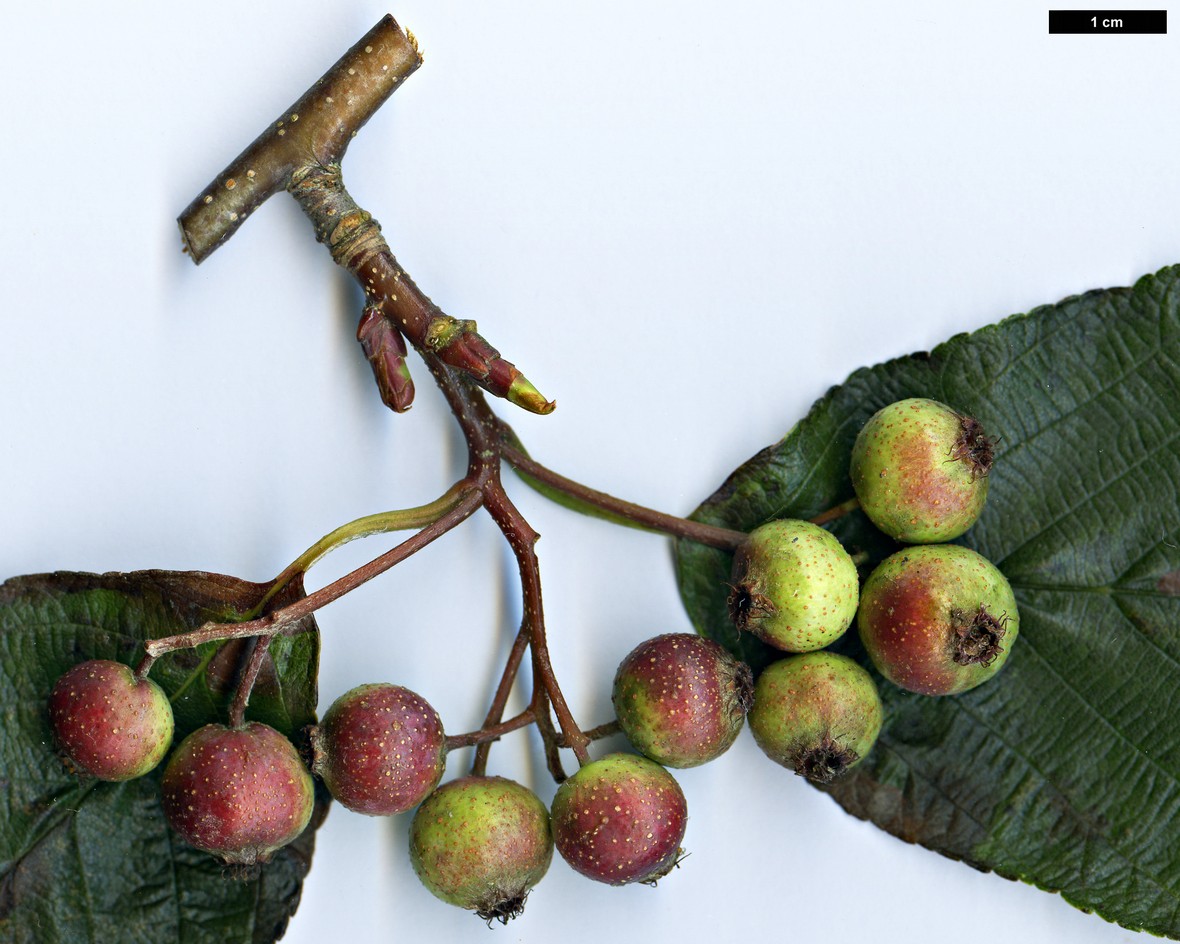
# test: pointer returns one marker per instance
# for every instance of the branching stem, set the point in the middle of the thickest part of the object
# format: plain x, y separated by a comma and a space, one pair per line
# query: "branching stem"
301, 152
237, 709
491, 732
628, 512
522, 539
839, 511
605, 730
405, 519
481, 430
550, 739
274, 623
479, 765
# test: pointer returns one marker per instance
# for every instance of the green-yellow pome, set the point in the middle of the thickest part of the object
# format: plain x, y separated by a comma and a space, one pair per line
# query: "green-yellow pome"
482, 843
793, 586
920, 470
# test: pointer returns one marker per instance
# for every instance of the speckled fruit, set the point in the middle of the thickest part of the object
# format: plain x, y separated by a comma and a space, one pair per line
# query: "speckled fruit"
482, 843
681, 699
380, 749
920, 470
620, 819
238, 793
108, 723
817, 714
937, 620
794, 586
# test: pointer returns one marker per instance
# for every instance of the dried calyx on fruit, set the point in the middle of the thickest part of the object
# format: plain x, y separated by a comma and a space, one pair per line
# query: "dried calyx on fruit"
793, 586
109, 723
380, 749
620, 819
937, 620
920, 470
681, 699
482, 843
238, 793
817, 714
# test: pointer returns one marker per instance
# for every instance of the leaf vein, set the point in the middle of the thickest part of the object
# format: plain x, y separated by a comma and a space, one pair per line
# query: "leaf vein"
829, 445
1102, 391
73, 827
1028, 318
1027, 643
1088, 836
1089, 498
931, 782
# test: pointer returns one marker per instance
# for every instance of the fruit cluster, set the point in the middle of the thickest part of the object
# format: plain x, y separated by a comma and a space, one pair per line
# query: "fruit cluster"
479, 842
937, 619
237, 792
934, 618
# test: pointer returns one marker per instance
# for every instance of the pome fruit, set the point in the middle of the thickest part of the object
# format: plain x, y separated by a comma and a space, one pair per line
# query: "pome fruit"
380, 749
793, 586
482, 843
681, 699
817, 714
920, 470
238, 793
109, 723
620, 819
938, 619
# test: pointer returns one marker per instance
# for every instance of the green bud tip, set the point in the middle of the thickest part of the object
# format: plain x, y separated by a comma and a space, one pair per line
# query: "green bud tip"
525, 395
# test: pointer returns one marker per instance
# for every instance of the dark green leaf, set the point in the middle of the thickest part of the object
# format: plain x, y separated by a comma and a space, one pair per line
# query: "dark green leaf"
1063, 771
86, 861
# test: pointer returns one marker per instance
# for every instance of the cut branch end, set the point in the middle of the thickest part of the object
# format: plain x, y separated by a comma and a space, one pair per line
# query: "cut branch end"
319, 126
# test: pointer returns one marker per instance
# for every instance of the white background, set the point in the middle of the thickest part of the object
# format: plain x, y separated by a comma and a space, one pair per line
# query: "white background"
683, 220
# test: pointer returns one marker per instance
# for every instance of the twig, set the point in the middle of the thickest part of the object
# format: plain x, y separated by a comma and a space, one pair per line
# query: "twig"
479, 764
550, 740
301, 152
629, 512
839, 511
318, 127
489, 733
355, 241
605, 730
276, 622
237, 708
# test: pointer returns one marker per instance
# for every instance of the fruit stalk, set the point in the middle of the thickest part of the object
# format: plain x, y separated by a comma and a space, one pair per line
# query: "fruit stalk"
552, 742
479, 765
617, 508
405, 519
274, 623
491, 732
522, 538
836, 512
604, 730
237, 708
